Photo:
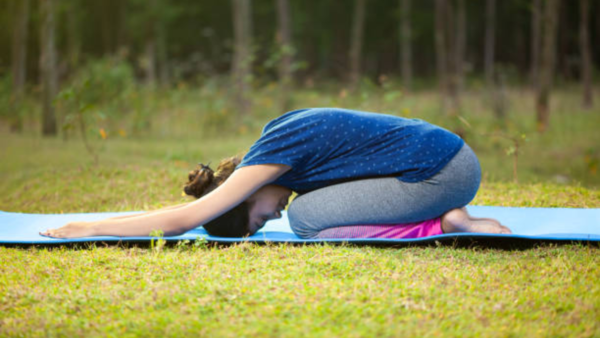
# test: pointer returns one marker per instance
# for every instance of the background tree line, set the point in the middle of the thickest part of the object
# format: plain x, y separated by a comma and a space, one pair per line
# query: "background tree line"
454, 43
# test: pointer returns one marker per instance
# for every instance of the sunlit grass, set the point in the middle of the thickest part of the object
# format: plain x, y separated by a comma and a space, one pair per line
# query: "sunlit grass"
282, 290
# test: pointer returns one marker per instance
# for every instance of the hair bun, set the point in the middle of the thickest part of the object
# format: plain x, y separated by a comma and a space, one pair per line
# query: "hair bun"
203, 180
199, 181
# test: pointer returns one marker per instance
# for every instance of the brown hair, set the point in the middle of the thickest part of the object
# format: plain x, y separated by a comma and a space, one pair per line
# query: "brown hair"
201, 181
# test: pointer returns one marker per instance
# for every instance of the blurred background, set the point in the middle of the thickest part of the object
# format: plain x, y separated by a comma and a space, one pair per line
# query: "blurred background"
181, 81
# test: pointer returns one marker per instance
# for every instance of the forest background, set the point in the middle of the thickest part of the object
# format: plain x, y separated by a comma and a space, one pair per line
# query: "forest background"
515, 78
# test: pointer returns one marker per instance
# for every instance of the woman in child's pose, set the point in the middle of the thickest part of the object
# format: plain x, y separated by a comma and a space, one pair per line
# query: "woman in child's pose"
357, 174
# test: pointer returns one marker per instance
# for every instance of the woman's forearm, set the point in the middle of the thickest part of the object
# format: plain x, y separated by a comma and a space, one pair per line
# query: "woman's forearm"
169, 222
151, 212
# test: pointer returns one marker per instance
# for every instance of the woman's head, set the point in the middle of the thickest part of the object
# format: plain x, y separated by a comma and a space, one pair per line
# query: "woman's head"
249, 216
266, 204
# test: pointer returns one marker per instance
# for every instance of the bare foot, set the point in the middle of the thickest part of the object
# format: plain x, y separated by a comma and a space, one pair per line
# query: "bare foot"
458, 220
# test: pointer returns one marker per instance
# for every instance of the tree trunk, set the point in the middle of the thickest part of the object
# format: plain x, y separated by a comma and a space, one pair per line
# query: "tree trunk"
150, 51
162, 53
451, 61
150, 45
106, 17
73, 35
586, 58
564, 40
548, 55
405, 44
490, 27
461, 45
536, 28
242, 59
123, 37
358, 22
440, 51
48, 67
284, 39
19, 60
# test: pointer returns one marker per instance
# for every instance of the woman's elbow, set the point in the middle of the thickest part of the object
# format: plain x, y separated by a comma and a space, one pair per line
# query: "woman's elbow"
178, 230
179, 223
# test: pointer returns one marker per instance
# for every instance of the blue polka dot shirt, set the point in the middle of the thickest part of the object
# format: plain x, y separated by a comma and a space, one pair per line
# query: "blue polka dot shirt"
326, 146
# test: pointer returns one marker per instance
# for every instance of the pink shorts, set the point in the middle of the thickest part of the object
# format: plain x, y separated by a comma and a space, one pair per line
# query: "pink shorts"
409, 230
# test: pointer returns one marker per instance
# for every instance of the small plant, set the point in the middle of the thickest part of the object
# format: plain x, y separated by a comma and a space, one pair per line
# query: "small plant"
77, 118
160, 241
200, 242
517, 140
101, 83
182, 245
513, 149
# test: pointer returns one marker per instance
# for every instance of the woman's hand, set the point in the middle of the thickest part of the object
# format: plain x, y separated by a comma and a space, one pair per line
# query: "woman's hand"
71, 230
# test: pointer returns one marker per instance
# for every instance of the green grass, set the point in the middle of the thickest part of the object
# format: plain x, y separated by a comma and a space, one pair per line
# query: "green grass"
290, 291
284, 290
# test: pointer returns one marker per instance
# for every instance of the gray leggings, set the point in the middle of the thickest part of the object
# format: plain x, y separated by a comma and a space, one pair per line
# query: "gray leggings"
387, 200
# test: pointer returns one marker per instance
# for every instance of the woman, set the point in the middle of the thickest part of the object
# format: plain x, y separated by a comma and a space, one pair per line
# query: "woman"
348, 167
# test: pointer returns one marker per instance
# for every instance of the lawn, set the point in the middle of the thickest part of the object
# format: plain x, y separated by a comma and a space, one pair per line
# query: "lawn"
286, 290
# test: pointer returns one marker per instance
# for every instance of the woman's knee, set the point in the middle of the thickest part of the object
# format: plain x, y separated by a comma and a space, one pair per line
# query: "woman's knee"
475, 178
461, 177
300, 223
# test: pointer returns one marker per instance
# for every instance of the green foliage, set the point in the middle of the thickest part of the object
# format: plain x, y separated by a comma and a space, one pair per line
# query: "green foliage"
107, 81
95, 99
15, 110
201, 242
99, 91
203, 116
277, 53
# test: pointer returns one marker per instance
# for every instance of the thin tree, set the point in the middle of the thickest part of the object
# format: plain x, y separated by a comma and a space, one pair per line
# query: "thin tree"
242, 58
48, 67
162, 52
73, 34
19, 59
586, 58
405, 44
445, 48
440, 51
284, 39
156, 42
461, 45
356, 38
452, 62
536, 28
490, 36
150, 42
548, 56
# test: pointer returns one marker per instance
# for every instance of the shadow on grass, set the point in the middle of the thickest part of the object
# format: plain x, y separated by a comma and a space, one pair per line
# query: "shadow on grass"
471, 242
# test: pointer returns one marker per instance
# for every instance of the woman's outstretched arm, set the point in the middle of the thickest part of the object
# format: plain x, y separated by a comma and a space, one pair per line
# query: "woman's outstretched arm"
177, 206
236, 189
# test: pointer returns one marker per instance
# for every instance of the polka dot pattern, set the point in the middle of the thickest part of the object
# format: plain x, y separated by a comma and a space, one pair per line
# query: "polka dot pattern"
326, 146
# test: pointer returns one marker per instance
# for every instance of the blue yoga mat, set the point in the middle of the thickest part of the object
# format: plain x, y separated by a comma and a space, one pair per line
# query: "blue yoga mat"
556, 224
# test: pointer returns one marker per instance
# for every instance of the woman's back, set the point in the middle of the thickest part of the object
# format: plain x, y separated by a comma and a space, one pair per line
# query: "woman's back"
325, 146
